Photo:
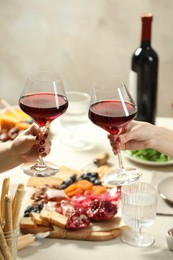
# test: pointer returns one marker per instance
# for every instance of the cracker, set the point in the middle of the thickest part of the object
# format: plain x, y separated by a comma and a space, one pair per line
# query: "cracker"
37, 219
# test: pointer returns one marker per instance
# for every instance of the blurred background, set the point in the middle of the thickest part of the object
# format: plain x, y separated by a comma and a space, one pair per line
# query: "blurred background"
82, 40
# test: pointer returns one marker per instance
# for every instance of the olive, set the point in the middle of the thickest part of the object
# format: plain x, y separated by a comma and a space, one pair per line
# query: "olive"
63, 186
84, 176
97, 182
92, 179
29, 208
68, 182
27, 214
89, 174
95, 174
73, 177
40, 206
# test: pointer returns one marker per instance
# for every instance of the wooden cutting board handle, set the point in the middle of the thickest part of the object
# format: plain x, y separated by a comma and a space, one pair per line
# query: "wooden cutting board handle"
24, 241
88, 234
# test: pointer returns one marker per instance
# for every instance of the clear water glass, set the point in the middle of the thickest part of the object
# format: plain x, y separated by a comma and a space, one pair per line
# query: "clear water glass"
138, 202
75, 119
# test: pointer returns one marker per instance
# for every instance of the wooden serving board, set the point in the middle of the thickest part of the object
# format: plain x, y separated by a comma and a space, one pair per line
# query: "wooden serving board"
98, 231
102, 231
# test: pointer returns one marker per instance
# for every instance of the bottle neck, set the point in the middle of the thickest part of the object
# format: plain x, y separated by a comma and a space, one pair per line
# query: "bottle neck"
146, 30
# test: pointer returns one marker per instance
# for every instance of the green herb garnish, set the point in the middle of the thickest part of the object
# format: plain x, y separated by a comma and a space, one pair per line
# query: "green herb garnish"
149, 154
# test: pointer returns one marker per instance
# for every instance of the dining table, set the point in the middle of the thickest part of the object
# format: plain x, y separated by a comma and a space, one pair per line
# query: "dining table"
76, 158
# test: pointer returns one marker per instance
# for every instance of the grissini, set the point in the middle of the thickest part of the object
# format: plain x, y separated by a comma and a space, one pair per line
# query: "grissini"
8, 227
5, 190
4, 247
16, 205
1, 255
0, 213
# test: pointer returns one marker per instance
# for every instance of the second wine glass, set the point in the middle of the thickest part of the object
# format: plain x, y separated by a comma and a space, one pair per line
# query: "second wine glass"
112, 108
44, 99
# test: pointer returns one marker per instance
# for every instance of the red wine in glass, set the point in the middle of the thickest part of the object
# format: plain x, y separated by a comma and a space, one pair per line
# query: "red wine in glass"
111, 116
43, 107
112, 108
44, 99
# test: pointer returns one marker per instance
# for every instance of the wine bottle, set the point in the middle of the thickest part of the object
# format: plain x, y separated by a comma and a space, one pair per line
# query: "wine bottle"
143, 80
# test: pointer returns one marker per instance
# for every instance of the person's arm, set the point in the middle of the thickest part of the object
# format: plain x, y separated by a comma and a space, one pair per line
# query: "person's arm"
24, 148
141, 135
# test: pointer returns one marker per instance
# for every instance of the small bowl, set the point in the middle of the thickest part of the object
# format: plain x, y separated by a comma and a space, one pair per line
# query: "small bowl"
169, 238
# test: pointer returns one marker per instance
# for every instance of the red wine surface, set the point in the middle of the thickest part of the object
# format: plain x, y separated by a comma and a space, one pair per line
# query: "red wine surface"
43, 107
111, 115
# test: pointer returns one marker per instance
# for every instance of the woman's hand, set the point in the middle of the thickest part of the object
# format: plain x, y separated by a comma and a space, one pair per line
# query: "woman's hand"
137, 135
30, 144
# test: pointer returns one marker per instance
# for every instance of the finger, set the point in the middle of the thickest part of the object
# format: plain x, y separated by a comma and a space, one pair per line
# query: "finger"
46, 149
112, 137
33, 130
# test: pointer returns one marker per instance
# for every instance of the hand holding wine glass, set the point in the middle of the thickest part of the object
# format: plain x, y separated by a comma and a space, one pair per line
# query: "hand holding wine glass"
112, 108
44, 99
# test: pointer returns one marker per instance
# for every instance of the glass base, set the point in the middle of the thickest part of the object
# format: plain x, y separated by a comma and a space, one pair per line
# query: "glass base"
137, 239
31, 169
117, 177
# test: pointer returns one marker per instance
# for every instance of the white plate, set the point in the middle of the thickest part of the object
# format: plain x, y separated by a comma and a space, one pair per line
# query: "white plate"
152, 163
165, 189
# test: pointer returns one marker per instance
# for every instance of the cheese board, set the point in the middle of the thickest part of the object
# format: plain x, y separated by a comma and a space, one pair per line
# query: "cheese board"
113, 230
49, 218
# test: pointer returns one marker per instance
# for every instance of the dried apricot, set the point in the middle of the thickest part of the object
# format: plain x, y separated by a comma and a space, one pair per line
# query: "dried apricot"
84, 184
72, 187
98, 189
75, 192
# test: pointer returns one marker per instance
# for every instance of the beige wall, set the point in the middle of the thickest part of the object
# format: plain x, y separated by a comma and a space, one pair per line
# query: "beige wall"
83, 40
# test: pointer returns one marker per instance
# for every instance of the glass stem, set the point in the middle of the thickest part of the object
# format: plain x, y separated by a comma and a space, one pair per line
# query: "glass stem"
40, 160
40, 164
140, 232
120, 162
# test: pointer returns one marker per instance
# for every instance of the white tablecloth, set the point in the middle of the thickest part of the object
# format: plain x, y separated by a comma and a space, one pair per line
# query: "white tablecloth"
70, 249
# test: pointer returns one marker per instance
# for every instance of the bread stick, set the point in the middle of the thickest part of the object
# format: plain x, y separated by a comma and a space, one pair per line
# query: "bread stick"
0, 213
4, 247
1, 255
16, 205
19, 187
5, 190
8, 214
8, 220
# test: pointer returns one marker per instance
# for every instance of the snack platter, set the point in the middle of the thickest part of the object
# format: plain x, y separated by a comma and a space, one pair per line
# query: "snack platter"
42, 216
55, 219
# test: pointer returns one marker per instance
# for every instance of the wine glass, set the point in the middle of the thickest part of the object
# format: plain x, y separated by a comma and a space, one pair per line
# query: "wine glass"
44, 99
112, 108
138, 207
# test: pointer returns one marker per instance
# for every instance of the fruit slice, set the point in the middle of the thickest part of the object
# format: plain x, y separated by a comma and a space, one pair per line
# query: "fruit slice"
101, 210
77, 221
84, 184
98, 189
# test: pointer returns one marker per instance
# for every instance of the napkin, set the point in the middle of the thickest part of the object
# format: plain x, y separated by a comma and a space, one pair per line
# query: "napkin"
163, 208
